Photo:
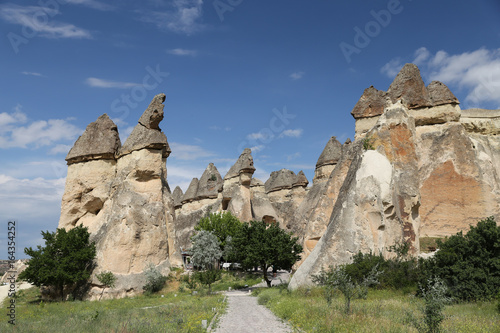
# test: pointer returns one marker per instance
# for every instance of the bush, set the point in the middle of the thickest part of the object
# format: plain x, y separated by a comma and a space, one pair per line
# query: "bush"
108, 280
155, 281
208, 277
469, 264
264, 298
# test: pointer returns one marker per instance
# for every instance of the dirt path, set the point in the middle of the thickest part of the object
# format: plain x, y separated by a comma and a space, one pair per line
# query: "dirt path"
244, 315
4, 290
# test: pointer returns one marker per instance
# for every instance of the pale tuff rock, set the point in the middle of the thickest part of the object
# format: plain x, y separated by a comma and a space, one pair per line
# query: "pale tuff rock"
190, 194
279, 180
99, 141
481, 121
126, 204
210, 183
327, 160
177, 196
244, 164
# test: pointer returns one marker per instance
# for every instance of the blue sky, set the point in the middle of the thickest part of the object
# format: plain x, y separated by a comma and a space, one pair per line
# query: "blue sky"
279, 76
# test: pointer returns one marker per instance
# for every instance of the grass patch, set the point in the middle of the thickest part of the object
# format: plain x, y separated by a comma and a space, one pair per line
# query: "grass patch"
174, 312
383, 311
236, 280
428, 242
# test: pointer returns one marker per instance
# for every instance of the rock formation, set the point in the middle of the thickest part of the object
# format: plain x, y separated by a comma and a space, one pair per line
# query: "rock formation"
121, 194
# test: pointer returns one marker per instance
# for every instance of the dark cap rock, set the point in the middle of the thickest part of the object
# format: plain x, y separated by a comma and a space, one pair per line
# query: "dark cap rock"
331, 154
153, 115
244, 164
300, 180
409, 87
177, 196
440, 94
370, 104
99, 141
210, 183
190, 194
278, 180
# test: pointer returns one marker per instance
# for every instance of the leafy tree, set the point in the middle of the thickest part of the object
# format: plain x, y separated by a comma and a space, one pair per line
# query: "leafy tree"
223, 225
469, 264
108, 280
208, 277
66, 259
337, 278
260, 244
155, 281
205, 249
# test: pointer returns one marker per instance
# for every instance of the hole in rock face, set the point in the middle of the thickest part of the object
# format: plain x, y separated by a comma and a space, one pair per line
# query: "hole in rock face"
382, 227
311, 243
268, 219
225, 203
144, 175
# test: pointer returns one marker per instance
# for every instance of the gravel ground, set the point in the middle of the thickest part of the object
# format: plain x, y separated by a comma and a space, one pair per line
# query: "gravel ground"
244, 315
4, 290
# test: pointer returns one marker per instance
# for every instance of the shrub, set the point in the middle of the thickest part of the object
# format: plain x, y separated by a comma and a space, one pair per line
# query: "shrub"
108, 279
469, 264
208, 277
264, 298
155, 281
368, 144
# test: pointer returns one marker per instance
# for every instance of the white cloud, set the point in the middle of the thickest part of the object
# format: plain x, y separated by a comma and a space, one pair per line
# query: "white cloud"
292, 156
257, 148
125, 133
297, 75
94, 4
39, 20
476, 72
292, 133
392, 68
35, 134
188, 152
182, 19
60, 149
101, 83
31, 73
260, 136
182, 175
182, 52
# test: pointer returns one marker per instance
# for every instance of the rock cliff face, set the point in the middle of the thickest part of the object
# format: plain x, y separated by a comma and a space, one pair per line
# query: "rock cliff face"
121, 194
434, 170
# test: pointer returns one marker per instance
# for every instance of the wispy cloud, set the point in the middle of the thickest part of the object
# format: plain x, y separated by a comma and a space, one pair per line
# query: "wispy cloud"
94, 4
182, 52
293, 156
477, 72
102, 83
27, 16
183, 18
292, 133
35, 134
185, 152
392, 68
256, 149
261, 136
297, 75
31, 73
60, 149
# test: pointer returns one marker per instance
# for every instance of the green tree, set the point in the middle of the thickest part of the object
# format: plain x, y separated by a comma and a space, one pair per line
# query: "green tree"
208, 277
223, 225
66, 259
205, 249
337, 278
108, 280
265, 245
469, 264
155, 281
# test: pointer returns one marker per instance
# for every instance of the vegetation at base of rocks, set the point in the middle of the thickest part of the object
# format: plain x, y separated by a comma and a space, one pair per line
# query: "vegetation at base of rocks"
66, 260
229, 279
208, 277
337, 279
435, 299
469, 264
263, 245
384, 310
223, 225
107, 279
155, 281
172, 311
427, 243
205, 249
368, 143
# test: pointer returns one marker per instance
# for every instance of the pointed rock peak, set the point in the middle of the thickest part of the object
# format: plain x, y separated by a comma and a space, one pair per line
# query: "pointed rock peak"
177, 196
331, 154
147, 133
210, 183
99, 141
348, 141
282, 179
409, 87
243, 164
190, 194
370, 104
256, 182
153, 115
440, 94
301, 180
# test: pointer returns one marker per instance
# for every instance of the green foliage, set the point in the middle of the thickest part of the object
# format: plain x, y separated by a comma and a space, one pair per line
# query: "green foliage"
260, 244
205, 249
469, 264
498, 299
263, 299
155, 281
435, 299
208, 277
223, 225
368, 144
65, 261
108, 280
337, 278
213, 178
